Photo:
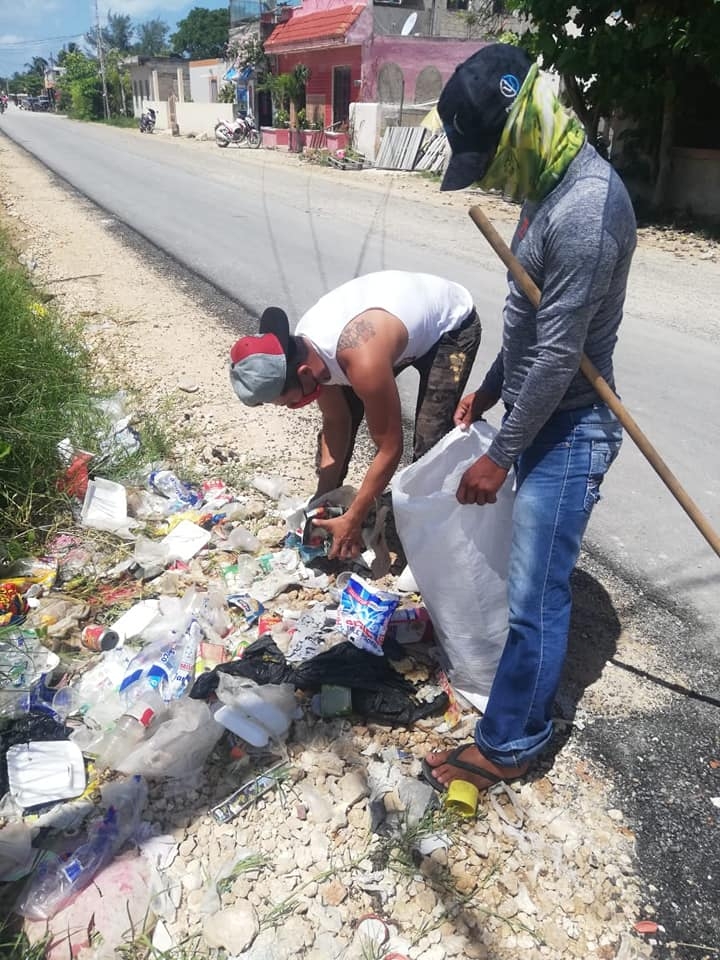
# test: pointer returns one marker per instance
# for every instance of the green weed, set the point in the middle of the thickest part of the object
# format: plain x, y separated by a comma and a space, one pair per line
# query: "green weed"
47, 394
15, 945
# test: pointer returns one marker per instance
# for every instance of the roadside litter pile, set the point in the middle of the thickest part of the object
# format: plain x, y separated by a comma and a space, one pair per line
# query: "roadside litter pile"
212, 734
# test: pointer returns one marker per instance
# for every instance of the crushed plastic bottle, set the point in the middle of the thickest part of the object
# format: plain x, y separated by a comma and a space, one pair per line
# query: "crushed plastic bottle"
57, 882
169, 485
241, 538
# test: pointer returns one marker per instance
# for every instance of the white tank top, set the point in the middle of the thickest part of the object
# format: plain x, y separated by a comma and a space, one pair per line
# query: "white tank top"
426, 305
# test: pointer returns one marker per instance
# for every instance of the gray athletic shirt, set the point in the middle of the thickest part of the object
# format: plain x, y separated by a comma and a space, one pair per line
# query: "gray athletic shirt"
576, 245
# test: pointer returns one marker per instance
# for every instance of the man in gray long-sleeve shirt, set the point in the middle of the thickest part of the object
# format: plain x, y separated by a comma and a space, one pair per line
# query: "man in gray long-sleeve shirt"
576, 238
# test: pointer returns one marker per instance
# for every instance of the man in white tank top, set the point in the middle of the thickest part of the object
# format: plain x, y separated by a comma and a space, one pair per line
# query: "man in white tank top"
346, 353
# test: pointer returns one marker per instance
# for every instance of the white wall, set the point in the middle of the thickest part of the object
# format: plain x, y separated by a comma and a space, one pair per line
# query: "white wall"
369, 120
200, 76
365, 124
695, 182
162, 121
200, 118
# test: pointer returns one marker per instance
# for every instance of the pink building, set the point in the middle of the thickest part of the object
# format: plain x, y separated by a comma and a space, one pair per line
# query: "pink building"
395, 56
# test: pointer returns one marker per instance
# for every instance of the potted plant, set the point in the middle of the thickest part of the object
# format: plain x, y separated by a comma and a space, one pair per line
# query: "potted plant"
287, 91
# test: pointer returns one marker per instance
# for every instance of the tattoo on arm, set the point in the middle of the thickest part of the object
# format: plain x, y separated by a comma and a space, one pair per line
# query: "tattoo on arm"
357, 332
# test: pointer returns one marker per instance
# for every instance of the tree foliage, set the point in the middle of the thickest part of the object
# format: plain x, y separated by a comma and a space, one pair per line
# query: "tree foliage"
80, 87
71, 47
202, 34
286, 90
152, 38
250, 52
642, 59
38, 66
117, 34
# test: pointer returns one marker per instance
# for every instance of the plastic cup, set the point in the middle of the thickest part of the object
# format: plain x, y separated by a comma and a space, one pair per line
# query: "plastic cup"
66, 702
462, 798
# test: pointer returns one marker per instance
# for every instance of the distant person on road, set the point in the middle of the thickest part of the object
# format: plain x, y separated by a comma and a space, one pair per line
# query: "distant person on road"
345, 353
576, 238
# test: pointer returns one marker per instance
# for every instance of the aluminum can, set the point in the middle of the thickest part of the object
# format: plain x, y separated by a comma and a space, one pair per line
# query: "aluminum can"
98, 638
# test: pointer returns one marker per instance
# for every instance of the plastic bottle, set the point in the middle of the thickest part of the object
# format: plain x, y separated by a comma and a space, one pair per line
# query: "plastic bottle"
240, 538
272, 487
184, 673
130, 729
170, 486
57, 882
151, 669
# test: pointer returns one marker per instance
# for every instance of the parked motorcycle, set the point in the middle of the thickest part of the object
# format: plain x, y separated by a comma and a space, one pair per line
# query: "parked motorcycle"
147, 121
238, 131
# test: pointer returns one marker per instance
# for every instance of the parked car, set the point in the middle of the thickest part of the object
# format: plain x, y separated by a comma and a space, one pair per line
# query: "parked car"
38, 103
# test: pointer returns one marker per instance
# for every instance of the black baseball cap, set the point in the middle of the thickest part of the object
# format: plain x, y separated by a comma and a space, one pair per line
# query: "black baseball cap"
473, 107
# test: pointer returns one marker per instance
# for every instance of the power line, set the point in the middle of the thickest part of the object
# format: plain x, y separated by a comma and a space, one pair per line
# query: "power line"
29, 43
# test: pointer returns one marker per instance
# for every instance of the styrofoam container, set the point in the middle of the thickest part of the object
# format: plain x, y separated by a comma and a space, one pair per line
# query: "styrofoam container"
45, 771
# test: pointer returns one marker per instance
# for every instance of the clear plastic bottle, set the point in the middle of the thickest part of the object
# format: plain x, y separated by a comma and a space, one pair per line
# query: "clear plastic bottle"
129, 730
57, 882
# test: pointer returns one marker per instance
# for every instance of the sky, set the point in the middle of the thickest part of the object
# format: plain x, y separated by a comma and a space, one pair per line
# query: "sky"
39, 28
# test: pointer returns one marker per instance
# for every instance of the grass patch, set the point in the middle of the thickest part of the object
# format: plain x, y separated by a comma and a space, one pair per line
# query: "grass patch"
14, 945
47, 394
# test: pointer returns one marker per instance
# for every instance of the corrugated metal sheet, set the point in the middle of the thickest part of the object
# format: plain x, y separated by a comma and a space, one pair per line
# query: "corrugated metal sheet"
400, 147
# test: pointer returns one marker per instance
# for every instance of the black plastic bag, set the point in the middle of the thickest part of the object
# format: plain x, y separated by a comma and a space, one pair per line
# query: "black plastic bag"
262, 662
345, 665
379, 693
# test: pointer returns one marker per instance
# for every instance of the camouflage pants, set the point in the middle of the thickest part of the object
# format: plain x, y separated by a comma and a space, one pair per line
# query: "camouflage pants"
444, 372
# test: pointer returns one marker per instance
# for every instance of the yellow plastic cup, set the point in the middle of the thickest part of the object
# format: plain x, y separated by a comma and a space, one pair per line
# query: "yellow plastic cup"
462, 798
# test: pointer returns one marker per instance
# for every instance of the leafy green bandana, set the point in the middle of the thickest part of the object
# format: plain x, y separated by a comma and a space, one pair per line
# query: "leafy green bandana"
539, 141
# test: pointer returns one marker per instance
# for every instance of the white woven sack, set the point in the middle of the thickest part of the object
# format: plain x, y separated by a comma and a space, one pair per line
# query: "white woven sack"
459, 556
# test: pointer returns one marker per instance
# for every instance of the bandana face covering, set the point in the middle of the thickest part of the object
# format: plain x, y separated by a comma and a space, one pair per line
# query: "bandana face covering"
537, 145
306, 398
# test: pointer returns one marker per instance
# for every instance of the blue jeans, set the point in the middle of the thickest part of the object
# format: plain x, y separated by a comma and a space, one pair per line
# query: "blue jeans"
558, 482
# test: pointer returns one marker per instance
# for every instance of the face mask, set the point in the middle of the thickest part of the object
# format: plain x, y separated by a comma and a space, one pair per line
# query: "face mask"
307, 398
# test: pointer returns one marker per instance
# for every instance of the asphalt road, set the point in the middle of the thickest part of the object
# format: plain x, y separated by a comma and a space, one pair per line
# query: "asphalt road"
267, 232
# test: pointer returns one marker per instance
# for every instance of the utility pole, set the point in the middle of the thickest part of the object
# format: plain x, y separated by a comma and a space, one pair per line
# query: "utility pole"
101, 55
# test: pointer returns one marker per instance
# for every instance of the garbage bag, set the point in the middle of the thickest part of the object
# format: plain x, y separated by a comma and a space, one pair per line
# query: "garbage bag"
379, 692
459, 557
262, 662
394, 707
345, 665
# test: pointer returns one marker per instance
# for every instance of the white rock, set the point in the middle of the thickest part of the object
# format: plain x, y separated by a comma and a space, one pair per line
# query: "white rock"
234, 928
162, 941
192, 879
352, 788
524, 901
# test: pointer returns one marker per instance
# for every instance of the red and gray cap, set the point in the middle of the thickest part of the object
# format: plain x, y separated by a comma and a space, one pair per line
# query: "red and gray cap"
258, 365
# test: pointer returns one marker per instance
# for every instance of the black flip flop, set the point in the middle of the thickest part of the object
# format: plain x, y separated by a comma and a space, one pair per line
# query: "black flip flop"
454, 761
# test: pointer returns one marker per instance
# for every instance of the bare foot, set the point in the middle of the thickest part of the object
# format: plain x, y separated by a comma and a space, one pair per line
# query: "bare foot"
445, 767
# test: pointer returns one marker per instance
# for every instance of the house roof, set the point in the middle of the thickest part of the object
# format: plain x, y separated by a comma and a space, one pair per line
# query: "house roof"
323, 26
